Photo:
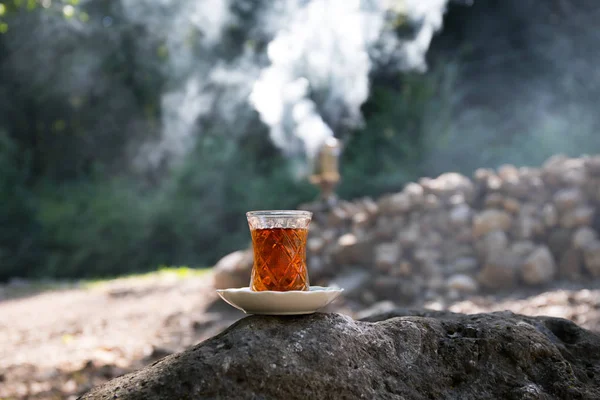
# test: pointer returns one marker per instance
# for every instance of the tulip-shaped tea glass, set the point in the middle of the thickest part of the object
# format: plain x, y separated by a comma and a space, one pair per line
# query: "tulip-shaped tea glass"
279, 243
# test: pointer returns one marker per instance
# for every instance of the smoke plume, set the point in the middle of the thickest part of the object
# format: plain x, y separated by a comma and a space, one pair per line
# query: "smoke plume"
303, 65
321, 59
522, 84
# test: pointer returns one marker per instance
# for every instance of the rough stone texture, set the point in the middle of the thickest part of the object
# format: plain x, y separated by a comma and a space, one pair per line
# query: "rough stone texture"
420, 355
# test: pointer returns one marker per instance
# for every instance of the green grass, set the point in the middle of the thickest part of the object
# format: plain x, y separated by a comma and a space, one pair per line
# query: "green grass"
34, 287
162, 272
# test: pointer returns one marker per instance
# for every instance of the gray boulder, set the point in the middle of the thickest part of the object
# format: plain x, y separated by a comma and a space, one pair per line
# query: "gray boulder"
491, 220
539, 267
420, 355
500, 271
234, 270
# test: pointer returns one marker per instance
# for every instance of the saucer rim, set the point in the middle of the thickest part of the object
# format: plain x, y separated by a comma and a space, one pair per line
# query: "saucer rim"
242, 298
312, 289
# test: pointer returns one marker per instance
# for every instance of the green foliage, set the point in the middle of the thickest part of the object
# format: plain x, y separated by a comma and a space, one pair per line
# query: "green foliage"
99, 92
388, 151
77, 103
202, 213
94, 228
66, 8
103, 227
19, 231
75, 207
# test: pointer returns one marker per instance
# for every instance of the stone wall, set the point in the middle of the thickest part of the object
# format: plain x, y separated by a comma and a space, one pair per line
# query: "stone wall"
452, 236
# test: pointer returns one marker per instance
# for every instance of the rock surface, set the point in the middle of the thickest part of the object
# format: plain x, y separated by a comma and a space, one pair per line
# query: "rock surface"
539, 267
462, 283
422, 355
233, 270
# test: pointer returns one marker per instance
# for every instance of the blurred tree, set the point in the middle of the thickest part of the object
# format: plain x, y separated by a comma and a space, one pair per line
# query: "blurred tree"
20, 246
82, 89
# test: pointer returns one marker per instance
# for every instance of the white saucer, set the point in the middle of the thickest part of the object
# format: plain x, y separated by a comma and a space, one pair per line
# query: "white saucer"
280, 303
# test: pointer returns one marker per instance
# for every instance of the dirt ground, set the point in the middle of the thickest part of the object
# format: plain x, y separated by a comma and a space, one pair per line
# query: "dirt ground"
57, 344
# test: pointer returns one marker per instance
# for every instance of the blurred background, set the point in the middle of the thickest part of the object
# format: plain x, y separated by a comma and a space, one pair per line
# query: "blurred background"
135, 134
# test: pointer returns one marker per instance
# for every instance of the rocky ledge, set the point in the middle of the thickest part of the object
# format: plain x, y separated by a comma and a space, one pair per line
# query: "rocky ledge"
398, 354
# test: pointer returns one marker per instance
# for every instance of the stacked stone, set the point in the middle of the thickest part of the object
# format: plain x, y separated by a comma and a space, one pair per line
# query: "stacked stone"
451, 236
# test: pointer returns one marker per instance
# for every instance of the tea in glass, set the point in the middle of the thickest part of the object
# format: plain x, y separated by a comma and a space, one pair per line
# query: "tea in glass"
279, 244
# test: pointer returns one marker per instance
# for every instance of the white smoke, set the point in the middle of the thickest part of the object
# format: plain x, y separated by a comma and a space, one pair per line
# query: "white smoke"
326, 47
186, 27
180, 110
427, 15
320, 57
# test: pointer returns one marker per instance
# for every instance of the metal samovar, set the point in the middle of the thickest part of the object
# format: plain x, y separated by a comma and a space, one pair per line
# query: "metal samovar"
326, 174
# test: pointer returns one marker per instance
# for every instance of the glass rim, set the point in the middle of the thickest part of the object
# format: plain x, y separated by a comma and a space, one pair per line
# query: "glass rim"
280, 214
